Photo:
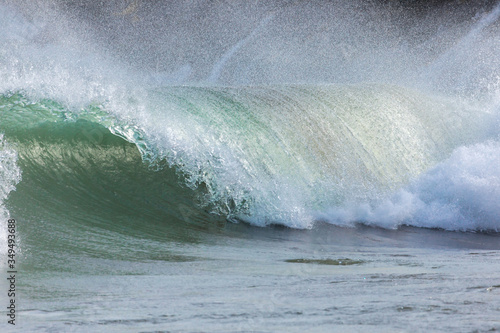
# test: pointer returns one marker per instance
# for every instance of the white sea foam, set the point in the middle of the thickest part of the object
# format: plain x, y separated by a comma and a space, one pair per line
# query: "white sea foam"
461, 193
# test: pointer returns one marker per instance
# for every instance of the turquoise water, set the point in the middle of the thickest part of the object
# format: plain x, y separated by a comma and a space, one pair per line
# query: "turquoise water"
239, 196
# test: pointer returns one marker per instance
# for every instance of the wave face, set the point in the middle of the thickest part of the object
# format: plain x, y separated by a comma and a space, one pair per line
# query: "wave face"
87, 131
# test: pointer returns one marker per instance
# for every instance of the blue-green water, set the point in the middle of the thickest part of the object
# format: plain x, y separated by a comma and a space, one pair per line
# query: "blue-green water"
235, 195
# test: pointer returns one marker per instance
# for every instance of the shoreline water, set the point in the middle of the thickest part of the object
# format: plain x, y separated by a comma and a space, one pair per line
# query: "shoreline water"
408, 280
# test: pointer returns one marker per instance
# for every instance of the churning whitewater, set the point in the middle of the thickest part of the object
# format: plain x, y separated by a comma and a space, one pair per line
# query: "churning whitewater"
382, 153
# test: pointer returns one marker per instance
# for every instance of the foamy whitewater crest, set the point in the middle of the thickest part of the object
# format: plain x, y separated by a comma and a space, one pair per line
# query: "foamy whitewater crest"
10, 175
461, 193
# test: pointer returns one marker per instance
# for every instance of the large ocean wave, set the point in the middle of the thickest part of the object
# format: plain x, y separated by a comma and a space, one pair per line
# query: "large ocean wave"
272, 154
84, 128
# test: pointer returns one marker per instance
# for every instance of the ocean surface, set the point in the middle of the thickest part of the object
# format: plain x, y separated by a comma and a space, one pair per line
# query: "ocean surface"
234, 166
